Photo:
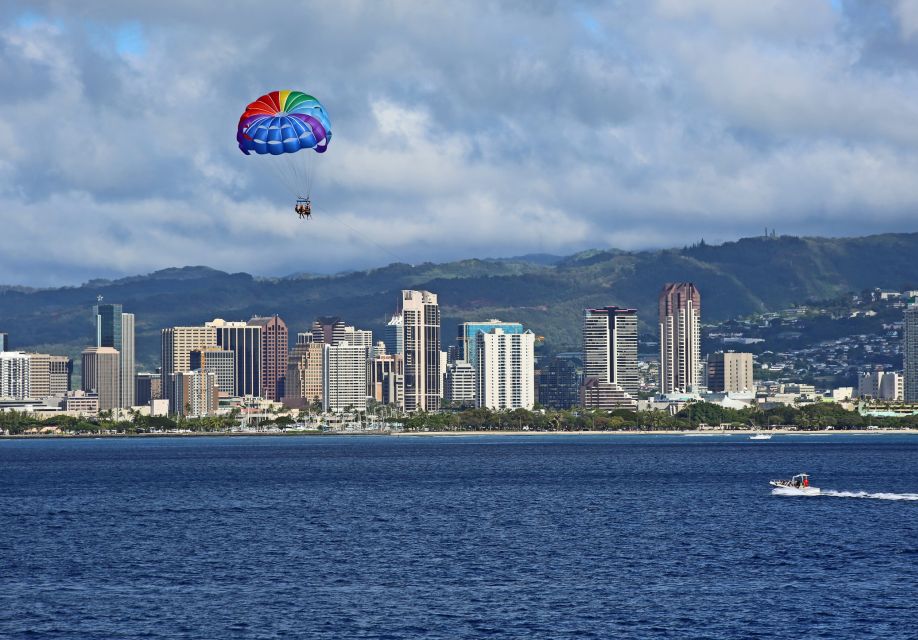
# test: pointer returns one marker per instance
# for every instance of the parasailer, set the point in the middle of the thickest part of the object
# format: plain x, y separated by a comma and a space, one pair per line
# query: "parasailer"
284, 126
303, 207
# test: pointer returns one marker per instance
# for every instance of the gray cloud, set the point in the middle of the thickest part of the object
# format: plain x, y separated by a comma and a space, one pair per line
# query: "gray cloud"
463, 129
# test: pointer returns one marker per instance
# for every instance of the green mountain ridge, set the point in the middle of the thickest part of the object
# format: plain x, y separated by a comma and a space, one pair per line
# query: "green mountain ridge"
547, 293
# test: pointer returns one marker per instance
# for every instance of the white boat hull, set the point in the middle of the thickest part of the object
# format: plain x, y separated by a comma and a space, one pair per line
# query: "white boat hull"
781, 489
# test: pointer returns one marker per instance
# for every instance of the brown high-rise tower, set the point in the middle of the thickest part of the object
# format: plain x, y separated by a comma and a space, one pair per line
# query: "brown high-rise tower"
680, 337
274, 355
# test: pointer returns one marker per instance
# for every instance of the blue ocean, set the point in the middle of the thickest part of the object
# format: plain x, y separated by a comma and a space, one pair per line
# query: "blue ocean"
459, 537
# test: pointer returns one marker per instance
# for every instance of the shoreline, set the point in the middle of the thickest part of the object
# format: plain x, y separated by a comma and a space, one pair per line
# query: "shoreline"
455, 434
671, 432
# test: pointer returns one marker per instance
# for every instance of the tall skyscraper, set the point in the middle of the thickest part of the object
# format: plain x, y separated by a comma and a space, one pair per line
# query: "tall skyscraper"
60, 375
730, 372
102, 374
559, 381
910, 353
40, 375
328, 330
387, 379
468, 332
275, 349
421, 344
195, 394
394, 336
147, 387
610, 347
505, 370
177, 345
359, 337
680, 338
15, 375
345, 382
115, 329
305, 375
220, 362
4, 342
245, 341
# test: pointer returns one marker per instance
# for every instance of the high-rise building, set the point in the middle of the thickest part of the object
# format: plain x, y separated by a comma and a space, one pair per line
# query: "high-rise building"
387, 378
421, 343
460, 383
102, 374
4, 342
108, 325
610, 341
15, 375
275, 349
328, 330
910, 353
177, 345
148, 387
115, 329
680, 338
466, 339
128, 367
48, 375
345, 382
362, 338
505, 370
730, 372
305, 377
220, 362
60, 375
394, 336
245, 341
559, 381
40, 375
195, 394
359, 337
304, 337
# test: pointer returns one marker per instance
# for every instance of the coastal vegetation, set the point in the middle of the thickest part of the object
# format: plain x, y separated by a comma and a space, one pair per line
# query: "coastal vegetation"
701, 415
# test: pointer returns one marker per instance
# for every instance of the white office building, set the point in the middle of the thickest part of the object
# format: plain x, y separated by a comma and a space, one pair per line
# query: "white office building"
460, 383
506, 370
15, 375
345, 378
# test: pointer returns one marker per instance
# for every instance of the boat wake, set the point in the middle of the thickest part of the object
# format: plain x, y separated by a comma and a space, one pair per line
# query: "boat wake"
871, 496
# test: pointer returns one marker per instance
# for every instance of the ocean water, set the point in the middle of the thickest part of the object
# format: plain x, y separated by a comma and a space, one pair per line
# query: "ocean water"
498, 537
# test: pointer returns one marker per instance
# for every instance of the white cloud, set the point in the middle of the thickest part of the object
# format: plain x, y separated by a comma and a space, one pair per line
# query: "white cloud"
473, 130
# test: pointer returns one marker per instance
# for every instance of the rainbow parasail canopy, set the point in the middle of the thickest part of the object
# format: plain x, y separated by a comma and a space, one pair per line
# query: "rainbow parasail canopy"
284, 122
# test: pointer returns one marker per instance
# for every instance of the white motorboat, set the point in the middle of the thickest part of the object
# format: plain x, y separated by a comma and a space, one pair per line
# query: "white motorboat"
760, 436
799, 485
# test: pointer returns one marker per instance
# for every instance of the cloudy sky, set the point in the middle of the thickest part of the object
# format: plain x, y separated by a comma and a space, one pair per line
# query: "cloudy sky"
461, 129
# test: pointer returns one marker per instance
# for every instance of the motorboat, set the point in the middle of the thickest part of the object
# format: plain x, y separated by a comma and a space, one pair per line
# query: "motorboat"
799, 485
760, 436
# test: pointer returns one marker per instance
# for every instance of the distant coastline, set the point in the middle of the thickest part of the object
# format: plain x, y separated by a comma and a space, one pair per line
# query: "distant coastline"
739, 434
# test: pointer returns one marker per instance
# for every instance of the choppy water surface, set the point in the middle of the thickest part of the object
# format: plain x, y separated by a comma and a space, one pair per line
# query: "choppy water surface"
549, 537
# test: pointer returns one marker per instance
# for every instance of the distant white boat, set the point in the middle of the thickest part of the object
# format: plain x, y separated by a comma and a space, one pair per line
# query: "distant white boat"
799, 485
760, 436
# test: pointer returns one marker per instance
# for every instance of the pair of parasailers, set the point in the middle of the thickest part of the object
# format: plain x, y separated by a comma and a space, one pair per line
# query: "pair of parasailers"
303, 208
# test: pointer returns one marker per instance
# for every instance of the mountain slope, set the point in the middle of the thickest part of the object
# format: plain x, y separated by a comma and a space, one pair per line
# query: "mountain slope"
548, 295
